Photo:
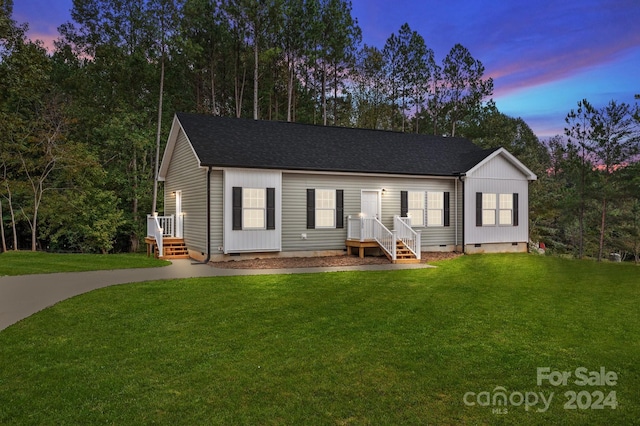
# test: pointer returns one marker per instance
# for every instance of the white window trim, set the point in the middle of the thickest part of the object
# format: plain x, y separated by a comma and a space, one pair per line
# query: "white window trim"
441, 210
498, 210
508, 197
317, 192
422, 210
493, 209
246, 208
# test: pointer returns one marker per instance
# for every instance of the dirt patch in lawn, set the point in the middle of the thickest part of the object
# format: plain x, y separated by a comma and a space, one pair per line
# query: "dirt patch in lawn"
324, 261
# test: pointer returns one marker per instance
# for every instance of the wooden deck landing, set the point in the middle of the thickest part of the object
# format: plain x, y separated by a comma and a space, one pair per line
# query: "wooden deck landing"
361, 245
173, 248
403, 254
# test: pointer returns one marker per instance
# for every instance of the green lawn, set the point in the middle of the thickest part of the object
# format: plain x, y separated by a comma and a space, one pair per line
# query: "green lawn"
27, 262
395, 347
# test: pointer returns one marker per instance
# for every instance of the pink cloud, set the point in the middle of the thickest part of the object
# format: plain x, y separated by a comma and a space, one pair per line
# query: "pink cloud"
46, 39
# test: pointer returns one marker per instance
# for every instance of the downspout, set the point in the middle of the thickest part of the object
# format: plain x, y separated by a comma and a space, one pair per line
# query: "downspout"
459, 176
463, 211
456, 214
208, 257
206, 260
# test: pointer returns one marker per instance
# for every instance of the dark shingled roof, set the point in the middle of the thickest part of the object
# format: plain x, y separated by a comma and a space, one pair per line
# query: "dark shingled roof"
237, 142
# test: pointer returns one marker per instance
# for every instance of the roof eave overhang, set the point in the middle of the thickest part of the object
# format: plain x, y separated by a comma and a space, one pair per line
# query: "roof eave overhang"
331, 171
176, 127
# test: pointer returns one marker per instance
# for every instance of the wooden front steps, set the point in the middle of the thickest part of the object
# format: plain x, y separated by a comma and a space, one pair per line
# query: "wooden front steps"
403, 254
173, 248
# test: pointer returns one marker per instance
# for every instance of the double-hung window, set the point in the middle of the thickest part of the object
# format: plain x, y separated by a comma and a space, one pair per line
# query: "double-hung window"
488, 209
416, 208
253, 208
325, 208
505, 211
435, 208
434, 211
496, 209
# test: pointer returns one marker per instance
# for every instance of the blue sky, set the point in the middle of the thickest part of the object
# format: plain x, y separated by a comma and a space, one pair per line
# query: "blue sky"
543, 55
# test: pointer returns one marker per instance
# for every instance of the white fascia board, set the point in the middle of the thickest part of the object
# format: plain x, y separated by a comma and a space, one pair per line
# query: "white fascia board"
176, 127
320, 172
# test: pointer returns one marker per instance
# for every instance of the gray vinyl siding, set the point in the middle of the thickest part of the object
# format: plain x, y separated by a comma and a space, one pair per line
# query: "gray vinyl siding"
217, 211
184, 174
498, 176
294, 187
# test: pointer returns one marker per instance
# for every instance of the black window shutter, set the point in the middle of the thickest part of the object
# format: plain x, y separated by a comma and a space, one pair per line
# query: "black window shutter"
447, 210
339, 208
515, 210
311, 208
271, 208
404, 203
237, 208
478, 208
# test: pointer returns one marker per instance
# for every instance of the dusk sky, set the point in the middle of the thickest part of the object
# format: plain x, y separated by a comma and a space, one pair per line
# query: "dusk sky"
543, 55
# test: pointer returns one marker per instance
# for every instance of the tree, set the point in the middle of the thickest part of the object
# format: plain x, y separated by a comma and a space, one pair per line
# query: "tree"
579, 134
615, 142
463, 85
118, 95
33, 128
166, 12
371, 90
410, 66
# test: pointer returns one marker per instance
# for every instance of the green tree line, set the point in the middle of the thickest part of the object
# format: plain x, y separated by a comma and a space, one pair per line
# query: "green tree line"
81, 127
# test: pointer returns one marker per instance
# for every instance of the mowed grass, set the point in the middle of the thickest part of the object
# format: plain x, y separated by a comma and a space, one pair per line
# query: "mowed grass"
27, 262
395, 347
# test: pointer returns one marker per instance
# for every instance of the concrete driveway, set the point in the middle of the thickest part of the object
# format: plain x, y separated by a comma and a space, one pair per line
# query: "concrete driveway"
24, 295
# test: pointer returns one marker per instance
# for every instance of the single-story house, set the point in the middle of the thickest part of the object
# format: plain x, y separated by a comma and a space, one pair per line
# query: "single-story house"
238, 187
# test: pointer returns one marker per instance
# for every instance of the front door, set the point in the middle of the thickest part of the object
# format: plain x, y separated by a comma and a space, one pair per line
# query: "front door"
179, 217
370, 203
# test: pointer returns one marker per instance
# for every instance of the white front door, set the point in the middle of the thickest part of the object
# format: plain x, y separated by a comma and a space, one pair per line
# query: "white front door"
179, 217
370, 203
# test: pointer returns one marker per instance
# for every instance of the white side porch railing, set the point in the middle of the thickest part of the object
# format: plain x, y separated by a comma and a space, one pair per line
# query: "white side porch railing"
159, 227
405, 233
370, 228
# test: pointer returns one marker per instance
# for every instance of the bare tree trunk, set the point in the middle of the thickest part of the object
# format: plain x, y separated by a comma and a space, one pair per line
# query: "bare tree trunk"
214, 109
255, 76
4, 241
239, 85
159, 129
335, 94
582, 206
324, 95
602, 227
34, 227
134, 235
290, 91
13, 217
